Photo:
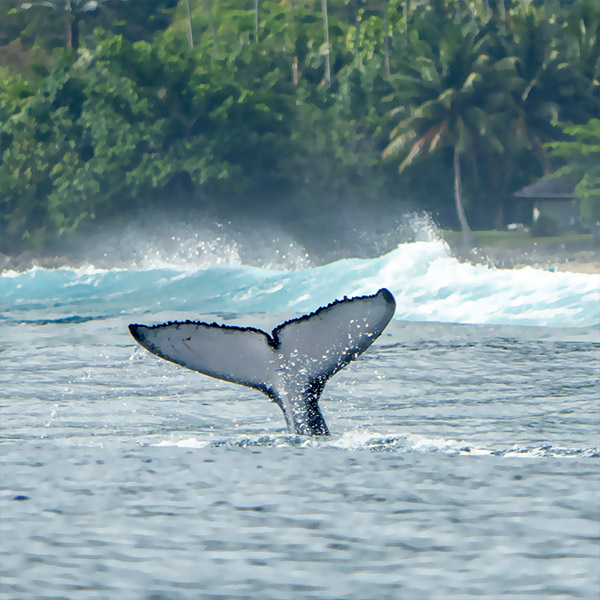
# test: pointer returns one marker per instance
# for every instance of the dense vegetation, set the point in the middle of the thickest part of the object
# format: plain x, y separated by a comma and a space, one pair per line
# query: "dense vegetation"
111, 107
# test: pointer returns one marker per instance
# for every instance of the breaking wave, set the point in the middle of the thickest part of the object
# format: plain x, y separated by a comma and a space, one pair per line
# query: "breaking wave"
429, 285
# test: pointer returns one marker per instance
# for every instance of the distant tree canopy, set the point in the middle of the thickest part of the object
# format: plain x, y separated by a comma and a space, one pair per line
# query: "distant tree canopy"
108, 108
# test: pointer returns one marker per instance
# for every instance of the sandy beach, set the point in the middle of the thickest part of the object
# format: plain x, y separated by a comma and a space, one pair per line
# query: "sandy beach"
580, 261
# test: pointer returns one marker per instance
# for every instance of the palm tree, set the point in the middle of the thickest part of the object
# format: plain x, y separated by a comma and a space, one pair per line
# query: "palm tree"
536, 96
453, 92
556, 70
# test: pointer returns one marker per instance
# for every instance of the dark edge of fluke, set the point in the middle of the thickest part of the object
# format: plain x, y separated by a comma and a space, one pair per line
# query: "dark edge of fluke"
272, 337
302, 413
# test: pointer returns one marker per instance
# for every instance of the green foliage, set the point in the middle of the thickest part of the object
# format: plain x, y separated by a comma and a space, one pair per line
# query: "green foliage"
581, 153
98, 138
459, 91
230, 109
67, 148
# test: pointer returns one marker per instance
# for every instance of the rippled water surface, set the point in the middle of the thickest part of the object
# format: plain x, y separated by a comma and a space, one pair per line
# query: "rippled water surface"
463, 461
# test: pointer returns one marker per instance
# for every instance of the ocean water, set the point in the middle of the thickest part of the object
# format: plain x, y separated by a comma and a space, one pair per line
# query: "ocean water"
463, 461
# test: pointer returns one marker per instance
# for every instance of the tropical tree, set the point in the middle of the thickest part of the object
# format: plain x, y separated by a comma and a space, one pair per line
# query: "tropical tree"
456, 90
581, 153
555, 61
264, 104
96, 139
580, 49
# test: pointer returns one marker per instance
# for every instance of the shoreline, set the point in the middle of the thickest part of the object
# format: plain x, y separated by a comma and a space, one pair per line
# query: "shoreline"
585, 261
562, 260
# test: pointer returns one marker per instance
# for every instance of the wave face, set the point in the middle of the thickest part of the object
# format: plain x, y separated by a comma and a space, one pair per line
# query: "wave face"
428, 283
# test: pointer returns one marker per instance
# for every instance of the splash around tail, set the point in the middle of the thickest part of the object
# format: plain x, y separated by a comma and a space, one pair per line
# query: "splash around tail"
290, 365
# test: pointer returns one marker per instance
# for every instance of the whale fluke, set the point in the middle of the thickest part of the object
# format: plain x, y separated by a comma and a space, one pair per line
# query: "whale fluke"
291, 365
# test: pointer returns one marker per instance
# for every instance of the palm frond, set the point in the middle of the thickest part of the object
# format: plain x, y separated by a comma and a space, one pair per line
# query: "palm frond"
438, 137
398, 144
414, 153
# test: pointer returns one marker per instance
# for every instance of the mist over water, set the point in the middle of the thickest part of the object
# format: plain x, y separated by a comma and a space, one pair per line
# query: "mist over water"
220, 270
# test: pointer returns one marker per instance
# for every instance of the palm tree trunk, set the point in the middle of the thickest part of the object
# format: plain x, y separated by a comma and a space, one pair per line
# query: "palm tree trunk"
502, 8
326, 27
386, 40
189, 16
213, 28
356, 38
460, 211
295, 58
73, 27
256, 19
486, 10
74, 32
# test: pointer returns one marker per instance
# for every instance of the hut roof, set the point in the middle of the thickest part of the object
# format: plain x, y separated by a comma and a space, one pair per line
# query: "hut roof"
551, 186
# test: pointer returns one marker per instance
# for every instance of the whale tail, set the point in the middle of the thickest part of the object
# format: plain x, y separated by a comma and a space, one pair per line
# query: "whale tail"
291, 365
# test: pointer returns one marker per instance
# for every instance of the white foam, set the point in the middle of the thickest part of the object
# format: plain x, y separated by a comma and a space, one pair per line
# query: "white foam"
428, 283
360, 440
187, 443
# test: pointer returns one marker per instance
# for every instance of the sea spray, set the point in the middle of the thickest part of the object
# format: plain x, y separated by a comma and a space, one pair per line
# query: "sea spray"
429, 285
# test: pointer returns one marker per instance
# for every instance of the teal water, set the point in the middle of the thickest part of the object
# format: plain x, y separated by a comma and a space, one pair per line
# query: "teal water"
463, 461
428, 283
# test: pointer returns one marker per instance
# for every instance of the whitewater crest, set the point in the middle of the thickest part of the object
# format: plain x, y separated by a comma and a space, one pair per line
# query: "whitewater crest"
358, 440
428, 283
